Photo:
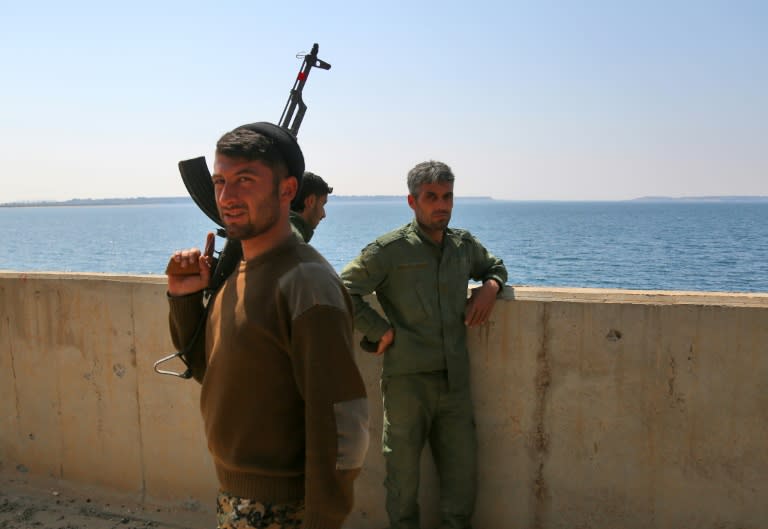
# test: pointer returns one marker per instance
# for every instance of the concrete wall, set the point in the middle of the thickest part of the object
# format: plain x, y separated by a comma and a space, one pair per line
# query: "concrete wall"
595, 408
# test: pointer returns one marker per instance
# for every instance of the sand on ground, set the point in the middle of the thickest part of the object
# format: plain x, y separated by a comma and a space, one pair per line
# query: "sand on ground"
27, 503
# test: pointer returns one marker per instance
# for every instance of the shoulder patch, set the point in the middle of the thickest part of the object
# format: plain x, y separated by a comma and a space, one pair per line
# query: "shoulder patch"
464, 234
311, 284
394, 235
459, 236
352, 435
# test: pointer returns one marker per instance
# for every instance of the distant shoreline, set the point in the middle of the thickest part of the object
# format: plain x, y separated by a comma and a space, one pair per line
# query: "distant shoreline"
139, 201
723, 198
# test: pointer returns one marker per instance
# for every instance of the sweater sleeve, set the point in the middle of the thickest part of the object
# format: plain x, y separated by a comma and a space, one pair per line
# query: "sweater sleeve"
336, 407
184, 315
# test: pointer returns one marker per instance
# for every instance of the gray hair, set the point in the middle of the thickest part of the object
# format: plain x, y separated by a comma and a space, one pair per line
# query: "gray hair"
431, 172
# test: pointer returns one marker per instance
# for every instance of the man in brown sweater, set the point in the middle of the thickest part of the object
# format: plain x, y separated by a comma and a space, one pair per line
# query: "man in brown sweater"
283, 403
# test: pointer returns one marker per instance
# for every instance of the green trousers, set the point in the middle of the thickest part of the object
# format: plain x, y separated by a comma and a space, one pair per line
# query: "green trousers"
420, 408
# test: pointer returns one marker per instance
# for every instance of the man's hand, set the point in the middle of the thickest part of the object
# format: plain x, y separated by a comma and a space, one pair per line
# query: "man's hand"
385, 341
181, 278
480, 303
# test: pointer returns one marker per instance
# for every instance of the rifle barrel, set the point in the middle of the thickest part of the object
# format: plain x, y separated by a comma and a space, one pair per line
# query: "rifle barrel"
288, 120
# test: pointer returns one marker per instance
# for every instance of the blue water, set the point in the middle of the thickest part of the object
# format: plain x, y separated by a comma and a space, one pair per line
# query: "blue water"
708, 246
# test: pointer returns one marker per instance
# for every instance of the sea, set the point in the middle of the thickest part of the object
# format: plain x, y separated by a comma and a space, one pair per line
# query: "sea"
717, 246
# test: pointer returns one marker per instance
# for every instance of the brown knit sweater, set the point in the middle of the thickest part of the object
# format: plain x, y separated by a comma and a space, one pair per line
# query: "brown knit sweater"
284, 405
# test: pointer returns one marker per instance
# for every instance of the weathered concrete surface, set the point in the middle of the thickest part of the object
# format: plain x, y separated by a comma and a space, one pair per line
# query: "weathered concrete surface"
595, 408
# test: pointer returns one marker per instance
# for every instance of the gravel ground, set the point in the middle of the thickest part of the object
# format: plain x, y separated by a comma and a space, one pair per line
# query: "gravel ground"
24, 505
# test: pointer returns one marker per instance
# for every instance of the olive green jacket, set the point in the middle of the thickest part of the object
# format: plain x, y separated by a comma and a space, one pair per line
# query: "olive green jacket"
300, 227
422, 288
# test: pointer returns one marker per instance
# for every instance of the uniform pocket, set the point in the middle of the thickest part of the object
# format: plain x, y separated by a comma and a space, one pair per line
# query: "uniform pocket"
411, 283
415, 307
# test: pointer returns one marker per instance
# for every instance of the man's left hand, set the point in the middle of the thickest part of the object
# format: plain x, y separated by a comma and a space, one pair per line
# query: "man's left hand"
480, 303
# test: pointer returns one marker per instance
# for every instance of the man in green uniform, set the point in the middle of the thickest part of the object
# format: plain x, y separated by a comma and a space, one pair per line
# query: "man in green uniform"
420, 273
308, 207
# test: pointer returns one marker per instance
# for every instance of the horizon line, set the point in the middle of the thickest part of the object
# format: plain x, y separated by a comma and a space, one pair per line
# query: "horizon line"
161, 198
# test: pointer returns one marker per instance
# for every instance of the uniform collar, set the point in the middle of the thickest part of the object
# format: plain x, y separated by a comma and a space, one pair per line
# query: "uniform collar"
301, 225
416, 228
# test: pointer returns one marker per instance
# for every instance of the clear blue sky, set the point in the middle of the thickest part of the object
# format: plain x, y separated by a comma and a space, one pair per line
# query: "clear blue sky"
537, 100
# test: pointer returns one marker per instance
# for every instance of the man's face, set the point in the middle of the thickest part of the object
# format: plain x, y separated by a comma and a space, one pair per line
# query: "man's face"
433, 206
247, 196
314, 209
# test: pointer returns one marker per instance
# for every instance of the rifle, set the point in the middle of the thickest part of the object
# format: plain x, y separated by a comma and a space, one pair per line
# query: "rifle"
197, 180
294, 99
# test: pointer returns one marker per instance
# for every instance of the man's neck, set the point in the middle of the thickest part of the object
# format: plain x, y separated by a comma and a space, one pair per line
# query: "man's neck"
261, 244
435, 235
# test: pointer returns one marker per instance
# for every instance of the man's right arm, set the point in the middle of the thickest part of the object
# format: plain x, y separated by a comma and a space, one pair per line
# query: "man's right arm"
361, 277
185, 300
185, 314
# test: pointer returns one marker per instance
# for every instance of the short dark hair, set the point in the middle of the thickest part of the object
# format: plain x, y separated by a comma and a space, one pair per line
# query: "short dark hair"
311, 184
249, 145
431, 172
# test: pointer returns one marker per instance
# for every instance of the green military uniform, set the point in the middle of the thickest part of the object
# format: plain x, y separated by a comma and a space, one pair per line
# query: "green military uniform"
300, 227
422, 288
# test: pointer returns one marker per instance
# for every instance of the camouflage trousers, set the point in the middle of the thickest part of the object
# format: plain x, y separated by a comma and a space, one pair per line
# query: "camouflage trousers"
233, 512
